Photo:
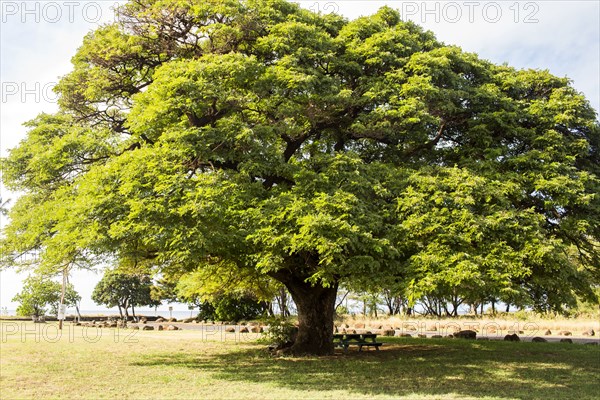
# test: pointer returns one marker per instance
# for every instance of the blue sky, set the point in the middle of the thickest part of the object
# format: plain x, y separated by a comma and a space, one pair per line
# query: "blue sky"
38, 39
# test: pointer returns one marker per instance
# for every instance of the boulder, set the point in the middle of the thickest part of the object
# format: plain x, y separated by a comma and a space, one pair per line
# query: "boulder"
388, 332
160, 319
160, 328
589, 333
404, 335
466, 334
172, 328
230, 329
422, 336
512, 338
566, 341
172, 320
148, 328
188, 320
244, 330
256, 329
548, 332
143, 320
565, 333
538, 339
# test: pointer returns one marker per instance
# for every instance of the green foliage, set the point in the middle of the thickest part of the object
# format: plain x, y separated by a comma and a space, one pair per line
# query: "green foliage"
40, 292
258, 139
281, 331
230, 308
124, 290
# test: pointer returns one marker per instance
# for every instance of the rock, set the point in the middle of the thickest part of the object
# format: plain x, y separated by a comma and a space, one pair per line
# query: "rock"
538, 339
143, 320
466, 334
244, 330
422, 336
256, 329
160, 319
188, 320
359, 325
436, 336
388, 332
172, 320
160, 328
148, 328
230, 329
564, 333
346, 326
512, 338
548, 332
404, 335
172, 328
589, 333
112, 325
566, 341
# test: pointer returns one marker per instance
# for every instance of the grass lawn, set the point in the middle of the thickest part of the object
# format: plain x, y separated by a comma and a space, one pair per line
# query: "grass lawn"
184, 364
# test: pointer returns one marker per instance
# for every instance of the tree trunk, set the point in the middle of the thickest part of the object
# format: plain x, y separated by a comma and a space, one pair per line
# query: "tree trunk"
315, 316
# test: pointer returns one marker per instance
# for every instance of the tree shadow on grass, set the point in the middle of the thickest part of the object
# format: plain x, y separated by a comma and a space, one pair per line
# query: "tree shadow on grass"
477, 369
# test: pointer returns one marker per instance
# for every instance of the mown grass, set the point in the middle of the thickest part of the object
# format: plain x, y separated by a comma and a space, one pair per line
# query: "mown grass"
184, 364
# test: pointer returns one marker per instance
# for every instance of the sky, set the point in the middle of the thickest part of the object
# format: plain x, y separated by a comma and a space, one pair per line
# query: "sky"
38, 39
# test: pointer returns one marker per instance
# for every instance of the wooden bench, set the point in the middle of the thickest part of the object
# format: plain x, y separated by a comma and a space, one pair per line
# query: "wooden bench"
356, 339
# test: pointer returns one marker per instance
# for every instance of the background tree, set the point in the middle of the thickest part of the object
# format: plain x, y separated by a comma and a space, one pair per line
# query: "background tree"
40, 292
124, 290
257, 138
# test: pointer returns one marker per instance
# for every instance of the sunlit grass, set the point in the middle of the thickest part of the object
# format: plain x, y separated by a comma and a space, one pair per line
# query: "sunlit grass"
183, 364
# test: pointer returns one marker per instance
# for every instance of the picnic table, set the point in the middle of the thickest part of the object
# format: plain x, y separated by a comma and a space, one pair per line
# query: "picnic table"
361, 340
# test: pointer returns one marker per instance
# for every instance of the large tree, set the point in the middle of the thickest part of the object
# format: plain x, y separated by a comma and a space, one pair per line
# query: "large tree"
263, 139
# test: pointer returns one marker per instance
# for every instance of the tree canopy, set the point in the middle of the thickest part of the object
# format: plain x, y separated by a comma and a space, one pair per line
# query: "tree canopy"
39, 292
124, 290
261, 139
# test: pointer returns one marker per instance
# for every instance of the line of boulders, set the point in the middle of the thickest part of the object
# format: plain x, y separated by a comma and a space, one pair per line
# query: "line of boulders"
381, 330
